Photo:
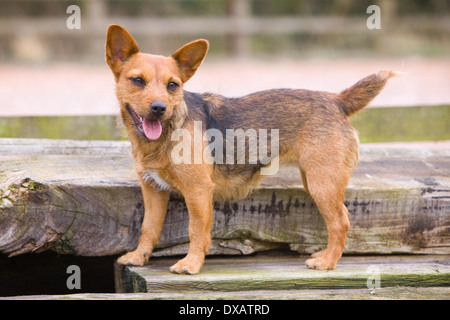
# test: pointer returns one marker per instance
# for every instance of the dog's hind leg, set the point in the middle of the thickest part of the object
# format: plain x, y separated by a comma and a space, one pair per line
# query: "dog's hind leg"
329, 200
327, 186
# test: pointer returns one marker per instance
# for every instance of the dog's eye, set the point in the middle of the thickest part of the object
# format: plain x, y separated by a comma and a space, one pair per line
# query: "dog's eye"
172, 86
138, 81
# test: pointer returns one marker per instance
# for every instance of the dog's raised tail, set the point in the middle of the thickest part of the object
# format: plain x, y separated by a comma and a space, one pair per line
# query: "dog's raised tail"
365, 90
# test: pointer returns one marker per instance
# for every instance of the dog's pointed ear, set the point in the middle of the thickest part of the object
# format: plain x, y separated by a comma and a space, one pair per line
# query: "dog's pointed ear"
190, 56
120, 46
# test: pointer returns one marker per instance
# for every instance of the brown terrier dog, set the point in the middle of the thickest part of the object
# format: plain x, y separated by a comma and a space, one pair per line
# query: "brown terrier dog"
310, 129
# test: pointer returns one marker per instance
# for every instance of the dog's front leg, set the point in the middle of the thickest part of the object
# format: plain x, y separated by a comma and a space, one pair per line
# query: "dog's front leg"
155, 202
199, 204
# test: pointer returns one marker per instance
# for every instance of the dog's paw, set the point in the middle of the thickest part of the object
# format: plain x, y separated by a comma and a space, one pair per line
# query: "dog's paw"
321, 263
188, 265
319, 254
134, 258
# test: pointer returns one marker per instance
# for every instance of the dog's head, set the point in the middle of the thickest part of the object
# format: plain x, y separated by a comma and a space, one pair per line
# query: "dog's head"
150, 87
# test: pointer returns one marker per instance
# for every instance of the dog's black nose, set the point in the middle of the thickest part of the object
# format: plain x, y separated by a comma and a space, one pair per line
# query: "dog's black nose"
158, 108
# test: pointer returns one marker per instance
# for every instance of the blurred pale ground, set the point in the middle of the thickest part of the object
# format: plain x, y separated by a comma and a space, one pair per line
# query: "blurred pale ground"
72, 89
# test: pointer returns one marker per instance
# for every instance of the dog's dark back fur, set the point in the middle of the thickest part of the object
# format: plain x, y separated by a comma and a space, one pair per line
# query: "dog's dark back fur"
312, 115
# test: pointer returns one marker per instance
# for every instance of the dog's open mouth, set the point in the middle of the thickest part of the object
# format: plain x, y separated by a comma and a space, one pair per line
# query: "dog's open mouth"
151, 128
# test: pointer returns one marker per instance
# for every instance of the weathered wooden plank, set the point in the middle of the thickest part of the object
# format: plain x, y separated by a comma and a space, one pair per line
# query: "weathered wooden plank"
70, 196
391, 293
285, 273
82, 197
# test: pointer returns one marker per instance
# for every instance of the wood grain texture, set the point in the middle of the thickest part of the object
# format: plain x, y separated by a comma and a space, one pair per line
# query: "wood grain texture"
390, 293
83, 198
284, 273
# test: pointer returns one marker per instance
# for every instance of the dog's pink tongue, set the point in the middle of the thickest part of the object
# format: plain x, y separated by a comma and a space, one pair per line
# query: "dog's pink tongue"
152, 129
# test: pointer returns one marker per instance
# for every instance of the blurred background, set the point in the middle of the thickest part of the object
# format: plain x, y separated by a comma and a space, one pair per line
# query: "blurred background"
36, 30
48, 68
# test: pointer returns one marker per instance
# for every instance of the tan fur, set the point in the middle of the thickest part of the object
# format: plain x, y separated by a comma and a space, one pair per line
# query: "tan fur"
314, 134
